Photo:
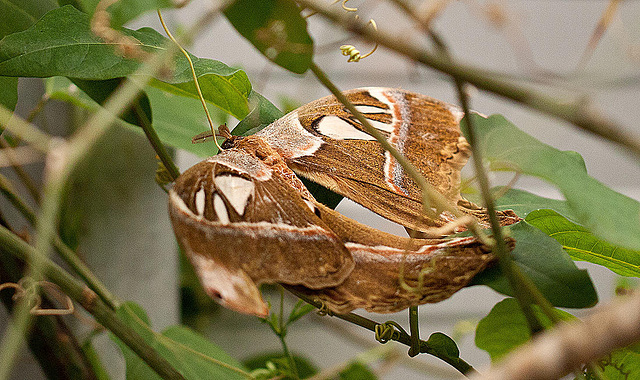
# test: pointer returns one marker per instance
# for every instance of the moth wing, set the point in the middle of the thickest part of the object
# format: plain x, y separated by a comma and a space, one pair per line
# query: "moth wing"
241, 225
393, 273
323, 142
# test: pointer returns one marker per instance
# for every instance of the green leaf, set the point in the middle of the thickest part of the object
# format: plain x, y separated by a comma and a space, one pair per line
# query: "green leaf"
62, 43
609, 215
262, 113
357, 371
550, 268
443, 346
276, 28
18, 15
8, 92
621, 364
192, 355
522, 203
506, 328
581, 244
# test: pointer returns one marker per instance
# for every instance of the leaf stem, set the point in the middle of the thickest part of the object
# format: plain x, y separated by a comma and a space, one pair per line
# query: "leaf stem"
26, 180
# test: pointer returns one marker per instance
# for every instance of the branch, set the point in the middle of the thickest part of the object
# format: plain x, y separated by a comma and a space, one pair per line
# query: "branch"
577, 112
558, 352
401, 337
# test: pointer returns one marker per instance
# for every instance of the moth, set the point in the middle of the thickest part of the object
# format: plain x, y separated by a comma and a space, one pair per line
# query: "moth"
244, 217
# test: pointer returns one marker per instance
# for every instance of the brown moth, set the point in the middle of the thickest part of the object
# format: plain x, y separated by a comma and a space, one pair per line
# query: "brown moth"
244, 218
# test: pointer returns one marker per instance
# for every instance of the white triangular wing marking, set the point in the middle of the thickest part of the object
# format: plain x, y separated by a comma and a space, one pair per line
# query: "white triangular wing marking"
236, 189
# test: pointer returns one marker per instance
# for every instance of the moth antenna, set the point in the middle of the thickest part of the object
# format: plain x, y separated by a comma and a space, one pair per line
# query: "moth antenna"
353, 53
195, 79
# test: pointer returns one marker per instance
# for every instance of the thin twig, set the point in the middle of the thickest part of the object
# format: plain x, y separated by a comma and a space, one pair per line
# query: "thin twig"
404, 338
577, 112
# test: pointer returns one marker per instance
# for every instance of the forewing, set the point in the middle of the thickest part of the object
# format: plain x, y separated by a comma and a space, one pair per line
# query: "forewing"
325, 143
241, 225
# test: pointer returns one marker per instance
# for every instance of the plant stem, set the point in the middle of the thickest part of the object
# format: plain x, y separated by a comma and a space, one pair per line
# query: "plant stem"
282, 333
157, 145
459, 364
525, 291
429, 195
90, 302
24, 130
414, 328
577, 112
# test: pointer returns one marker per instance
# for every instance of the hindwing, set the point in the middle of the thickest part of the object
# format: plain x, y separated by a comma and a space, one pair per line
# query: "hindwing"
242, 224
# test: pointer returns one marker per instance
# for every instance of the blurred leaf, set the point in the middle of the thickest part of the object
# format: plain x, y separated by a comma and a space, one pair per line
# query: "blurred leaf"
506, 328
550, 268
583, 245
61, 43
101, 90
18, 15
122, 11
357, 371
192, 355
94, 360
9, 92
276, 28
304, 366
609, 215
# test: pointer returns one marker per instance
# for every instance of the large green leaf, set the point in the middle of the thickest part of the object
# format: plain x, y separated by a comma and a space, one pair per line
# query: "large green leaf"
609, 215
276, 28
550, 268
176, 119
583, 245
62, 44
18, 15
523, 202
190, 354
506, 328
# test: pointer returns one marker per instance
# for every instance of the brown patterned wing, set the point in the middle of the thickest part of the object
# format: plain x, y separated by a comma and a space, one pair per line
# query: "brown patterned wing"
322, 141
393, 273
241, 224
